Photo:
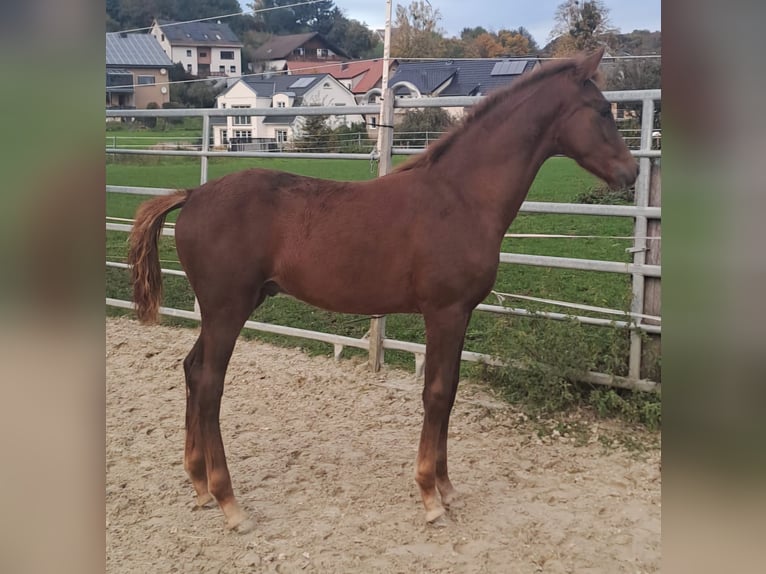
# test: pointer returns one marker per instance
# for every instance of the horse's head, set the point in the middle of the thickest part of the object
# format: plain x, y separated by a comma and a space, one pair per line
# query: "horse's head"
587, 132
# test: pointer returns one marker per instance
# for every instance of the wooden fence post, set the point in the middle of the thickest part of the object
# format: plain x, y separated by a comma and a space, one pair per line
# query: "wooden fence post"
386, 125
650, 352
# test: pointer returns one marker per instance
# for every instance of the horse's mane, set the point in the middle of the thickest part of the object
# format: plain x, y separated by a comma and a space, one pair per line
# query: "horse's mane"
480, 111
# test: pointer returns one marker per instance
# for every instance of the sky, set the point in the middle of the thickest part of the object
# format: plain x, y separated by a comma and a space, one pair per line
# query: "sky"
537, 16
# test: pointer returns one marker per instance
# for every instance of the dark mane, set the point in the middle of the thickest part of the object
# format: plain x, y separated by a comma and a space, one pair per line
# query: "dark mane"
480, 111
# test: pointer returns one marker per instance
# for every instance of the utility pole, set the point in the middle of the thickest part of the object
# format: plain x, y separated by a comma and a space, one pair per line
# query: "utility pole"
385, 138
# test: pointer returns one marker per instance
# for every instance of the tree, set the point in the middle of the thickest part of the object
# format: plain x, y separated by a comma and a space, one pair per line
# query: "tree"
353, 37
580, 26
420, 127
484, 45
417, 32
513, 43
469, 34
635, 74
315, 134
317, 17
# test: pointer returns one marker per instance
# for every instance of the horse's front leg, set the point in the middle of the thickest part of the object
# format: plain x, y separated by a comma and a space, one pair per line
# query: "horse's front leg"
445, 331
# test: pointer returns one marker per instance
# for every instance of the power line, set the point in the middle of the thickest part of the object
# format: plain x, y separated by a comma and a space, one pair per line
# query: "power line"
243, 13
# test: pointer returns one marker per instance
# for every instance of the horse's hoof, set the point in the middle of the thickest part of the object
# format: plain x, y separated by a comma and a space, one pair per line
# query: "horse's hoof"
452, 500
439, 522
243, 527
204, 503
433, 515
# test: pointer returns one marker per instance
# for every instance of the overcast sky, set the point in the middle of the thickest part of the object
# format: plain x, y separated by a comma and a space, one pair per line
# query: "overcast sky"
535, 15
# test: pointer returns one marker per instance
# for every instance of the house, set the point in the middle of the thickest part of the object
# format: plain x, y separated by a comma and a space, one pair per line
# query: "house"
273, 132
203, 48
309, 47
359, 76
136, 71
475, 77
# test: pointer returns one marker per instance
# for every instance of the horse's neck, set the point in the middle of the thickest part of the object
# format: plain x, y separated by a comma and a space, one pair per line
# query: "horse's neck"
499, 157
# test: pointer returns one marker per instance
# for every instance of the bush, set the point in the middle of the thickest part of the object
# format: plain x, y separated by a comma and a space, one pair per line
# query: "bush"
545, 359
421, 127
601, 193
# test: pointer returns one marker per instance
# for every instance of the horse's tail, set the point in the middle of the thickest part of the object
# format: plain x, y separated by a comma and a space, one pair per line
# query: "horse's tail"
143, 254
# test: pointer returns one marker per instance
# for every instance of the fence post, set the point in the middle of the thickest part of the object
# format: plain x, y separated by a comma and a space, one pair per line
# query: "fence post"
203, 169
639, 233
652, 293
205, 148
378, 324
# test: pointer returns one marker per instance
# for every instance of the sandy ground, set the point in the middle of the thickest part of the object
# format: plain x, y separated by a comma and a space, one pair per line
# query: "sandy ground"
322, 456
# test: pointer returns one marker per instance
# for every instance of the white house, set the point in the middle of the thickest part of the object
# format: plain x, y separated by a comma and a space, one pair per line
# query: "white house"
278, 92
203, 48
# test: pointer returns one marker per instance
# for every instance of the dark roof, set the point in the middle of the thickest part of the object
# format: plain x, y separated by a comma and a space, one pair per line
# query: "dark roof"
469, 77
296, 85
135, 51
280, 47
209, 33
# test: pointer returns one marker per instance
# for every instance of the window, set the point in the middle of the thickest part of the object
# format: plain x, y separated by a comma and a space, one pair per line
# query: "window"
280, 104
233, 69
373, 122
326, 85
322, 52
188, 53
227, 55
203, 54
224, 137
243, 135
145, 80
188, 68
241, 120
163, 37
281, 136
299, 51
222, 69
223, 105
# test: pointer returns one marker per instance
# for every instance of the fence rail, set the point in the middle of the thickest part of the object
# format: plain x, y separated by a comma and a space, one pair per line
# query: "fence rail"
642, 212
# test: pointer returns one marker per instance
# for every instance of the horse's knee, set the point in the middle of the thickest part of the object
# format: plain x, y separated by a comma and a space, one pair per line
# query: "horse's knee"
437, 399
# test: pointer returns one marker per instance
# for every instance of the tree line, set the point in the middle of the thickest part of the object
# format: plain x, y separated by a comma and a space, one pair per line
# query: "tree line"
579, 25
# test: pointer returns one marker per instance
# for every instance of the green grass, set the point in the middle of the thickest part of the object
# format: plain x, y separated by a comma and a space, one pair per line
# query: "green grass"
560, 180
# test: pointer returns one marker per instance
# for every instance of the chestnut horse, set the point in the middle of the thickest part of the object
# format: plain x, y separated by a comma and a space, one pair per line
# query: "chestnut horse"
422, 239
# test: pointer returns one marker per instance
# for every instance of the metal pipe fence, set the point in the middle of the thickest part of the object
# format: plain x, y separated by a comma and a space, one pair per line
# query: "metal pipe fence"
641, 213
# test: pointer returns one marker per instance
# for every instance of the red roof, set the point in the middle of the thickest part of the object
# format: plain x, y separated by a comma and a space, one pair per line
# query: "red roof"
371, 71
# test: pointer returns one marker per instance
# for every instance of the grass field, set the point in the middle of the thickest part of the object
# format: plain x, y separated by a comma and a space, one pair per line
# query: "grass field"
136, 135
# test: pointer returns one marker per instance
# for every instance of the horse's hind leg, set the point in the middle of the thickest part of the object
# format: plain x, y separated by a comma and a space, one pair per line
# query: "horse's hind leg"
194, 455
445, 330
221, 325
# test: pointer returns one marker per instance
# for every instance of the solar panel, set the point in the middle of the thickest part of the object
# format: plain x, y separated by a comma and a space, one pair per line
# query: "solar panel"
302, 82
508, 68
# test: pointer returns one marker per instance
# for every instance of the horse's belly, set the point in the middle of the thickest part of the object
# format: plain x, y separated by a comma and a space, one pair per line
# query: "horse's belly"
353, 293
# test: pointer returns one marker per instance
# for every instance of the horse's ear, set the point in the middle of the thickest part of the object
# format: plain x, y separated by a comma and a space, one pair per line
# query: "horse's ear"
587, 68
